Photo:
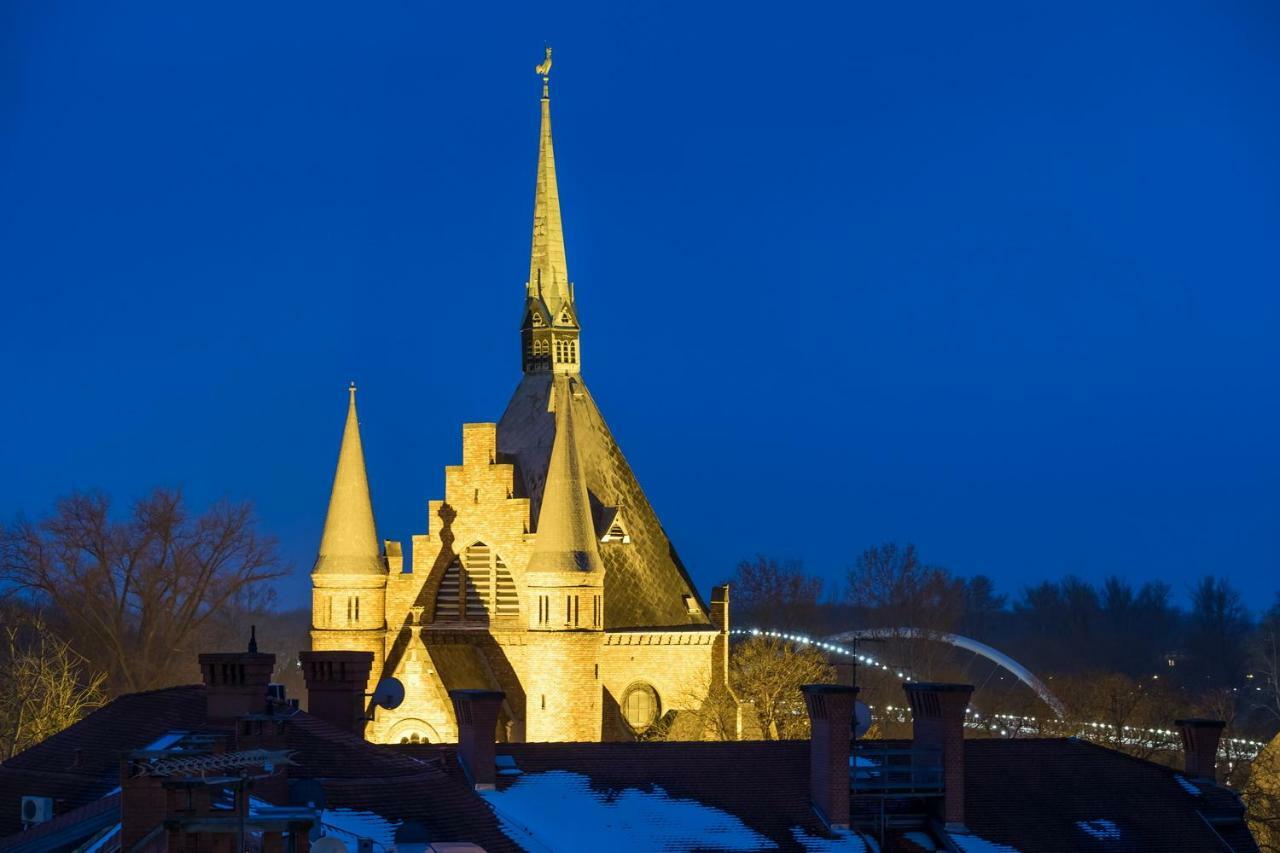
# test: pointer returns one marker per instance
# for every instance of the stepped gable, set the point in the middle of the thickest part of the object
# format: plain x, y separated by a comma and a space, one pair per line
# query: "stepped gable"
644, 581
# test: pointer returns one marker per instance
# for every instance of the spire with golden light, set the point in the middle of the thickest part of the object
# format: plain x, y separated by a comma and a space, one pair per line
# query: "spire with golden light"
350, 541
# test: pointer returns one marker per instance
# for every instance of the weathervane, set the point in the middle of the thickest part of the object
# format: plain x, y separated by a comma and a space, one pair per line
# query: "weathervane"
544, 69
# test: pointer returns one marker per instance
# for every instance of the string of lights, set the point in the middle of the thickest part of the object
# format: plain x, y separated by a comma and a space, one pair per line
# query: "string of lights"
1013, 724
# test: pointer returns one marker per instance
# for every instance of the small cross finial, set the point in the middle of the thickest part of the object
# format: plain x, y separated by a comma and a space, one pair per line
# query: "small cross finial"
352, 387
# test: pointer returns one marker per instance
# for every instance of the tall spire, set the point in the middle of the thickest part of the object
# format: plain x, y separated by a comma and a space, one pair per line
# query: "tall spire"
566, 539
548, 268
350, 541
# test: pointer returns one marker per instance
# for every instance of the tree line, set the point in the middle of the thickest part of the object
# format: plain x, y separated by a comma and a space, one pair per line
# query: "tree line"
1067, 629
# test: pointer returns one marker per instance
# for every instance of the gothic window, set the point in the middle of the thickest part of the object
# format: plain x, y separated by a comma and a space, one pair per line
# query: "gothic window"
559, 351
357, 608
476, 587
640, 706
349, 600
572, 356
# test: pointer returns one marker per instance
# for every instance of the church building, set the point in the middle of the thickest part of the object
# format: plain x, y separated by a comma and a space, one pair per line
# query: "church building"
543, 573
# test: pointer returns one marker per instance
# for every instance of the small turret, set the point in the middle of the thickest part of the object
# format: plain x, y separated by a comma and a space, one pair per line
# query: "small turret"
565, 590
349, 581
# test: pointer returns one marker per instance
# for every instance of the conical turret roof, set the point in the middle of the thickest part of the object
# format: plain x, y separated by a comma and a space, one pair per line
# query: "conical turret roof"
566, 538
350, 541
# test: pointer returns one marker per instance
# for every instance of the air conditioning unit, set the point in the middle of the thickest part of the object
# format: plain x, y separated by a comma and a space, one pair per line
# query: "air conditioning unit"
37, 809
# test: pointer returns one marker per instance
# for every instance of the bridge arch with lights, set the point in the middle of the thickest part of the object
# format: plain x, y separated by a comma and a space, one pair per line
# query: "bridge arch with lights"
832, 644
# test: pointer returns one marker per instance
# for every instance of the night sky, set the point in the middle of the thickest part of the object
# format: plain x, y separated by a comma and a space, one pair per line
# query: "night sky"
1000, 280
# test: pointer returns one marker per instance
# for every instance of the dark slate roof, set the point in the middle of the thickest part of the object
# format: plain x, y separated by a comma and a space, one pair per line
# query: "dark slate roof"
1035, 795
81, 765
1045, 794
644, 580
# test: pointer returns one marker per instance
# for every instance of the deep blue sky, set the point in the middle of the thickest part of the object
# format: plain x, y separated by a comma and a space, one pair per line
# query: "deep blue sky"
1001, 280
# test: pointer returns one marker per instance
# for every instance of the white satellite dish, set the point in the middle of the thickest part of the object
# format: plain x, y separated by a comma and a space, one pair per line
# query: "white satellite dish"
328, 844
861, 719
389, 693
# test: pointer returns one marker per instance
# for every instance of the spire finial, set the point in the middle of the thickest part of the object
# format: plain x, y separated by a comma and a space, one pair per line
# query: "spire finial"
253, 639
352, 388
544, 69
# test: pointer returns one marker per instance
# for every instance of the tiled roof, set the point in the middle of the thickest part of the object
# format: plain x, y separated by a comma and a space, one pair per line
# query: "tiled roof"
82, 764
1048, 794
1036, 796
644, 581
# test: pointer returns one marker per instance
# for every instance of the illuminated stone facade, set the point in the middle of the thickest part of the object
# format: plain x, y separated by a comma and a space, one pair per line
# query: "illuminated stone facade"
544, 571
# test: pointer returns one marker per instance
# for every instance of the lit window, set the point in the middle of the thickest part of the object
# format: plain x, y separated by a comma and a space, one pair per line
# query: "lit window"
640, 706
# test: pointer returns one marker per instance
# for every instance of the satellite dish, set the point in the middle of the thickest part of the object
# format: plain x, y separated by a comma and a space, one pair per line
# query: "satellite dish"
861, 719
328, 844
389, 693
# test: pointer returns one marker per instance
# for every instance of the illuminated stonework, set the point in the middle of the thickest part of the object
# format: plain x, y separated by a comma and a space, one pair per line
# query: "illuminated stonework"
544, 571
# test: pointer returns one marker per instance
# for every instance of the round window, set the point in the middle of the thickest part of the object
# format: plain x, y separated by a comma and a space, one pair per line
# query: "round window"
640, 706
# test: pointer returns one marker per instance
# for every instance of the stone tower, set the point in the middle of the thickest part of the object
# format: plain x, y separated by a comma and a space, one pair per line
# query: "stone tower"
564, 584
349, 581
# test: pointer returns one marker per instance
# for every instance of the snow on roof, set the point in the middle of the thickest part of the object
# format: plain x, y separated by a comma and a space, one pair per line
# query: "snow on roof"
101, 841
848, 841
358, 824
165, 741
558, 810
1186, 785
1103, 830
974, 844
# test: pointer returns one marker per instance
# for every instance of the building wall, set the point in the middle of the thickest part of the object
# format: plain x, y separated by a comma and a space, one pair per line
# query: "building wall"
581, 676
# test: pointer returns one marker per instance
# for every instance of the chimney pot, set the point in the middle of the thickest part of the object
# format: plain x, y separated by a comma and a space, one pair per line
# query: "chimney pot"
477, 712
937, 711
1200, 738
235, 684
830, 709
336, 684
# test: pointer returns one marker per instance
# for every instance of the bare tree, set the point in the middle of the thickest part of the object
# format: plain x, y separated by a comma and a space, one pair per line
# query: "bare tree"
134, 594
768, 673
1266, 662
44, 685
775, 595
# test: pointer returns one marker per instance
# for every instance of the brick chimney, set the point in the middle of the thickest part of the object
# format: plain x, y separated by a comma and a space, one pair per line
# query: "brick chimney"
1200, 746
336, 684
938, 712
236, 682
477, 713
831, 731
143, 803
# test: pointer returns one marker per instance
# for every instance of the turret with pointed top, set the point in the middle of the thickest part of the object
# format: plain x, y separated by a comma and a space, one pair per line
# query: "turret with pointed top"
349, 544
565, 580
549, 333
349, 581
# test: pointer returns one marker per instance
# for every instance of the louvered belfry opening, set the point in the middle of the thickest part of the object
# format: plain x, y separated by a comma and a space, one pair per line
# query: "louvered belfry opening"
477, 586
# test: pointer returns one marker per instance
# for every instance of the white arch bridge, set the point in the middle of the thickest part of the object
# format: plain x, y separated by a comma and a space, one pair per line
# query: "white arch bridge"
968, 644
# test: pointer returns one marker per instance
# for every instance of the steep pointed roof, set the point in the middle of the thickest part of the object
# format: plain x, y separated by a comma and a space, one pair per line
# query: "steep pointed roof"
350, 541
645, 583
548, 267
566, 529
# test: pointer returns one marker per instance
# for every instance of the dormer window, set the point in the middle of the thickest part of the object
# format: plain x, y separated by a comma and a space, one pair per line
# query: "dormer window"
538, 322
565, 319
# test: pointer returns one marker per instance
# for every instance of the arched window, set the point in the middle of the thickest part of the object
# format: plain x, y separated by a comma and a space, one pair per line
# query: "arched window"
640, 706
477, 586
